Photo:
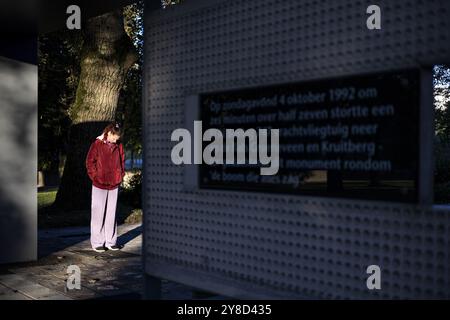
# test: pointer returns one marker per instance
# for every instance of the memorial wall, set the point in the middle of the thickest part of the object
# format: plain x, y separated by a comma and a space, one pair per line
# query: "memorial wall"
354, 111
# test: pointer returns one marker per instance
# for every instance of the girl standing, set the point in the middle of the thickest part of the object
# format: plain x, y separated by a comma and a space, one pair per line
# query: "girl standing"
105, 164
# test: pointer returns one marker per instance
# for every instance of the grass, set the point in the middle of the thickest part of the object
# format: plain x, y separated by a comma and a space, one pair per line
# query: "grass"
46, 198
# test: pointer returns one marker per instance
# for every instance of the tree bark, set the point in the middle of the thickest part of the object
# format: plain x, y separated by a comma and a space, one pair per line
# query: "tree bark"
107, 55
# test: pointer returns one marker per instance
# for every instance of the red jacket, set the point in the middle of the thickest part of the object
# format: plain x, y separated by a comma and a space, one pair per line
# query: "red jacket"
105, 164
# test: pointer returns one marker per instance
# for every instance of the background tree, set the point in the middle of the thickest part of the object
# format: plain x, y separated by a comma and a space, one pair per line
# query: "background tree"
166, 3
441, 82
62, 121
106, 56
130, 99
59, 54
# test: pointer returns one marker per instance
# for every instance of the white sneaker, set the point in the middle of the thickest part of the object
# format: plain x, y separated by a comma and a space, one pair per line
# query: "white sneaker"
99, 249
113, 248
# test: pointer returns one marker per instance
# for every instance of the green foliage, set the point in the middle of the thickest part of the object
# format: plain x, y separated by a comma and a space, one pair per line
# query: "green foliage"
46, 198
441, 81
134, 24
441, 77
442, 121
166, 3
59, 54
134, 217
133, 194
130, 101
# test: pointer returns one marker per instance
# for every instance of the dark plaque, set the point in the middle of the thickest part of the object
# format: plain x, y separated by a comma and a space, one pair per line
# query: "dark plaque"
355, 137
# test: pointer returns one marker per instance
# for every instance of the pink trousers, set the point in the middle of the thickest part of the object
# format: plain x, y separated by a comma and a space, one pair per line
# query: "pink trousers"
103, 217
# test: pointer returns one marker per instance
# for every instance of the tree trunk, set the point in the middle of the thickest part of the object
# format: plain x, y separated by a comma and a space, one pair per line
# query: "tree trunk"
107, 55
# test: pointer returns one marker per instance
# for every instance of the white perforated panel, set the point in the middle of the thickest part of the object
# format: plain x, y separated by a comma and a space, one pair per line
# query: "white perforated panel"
254, 245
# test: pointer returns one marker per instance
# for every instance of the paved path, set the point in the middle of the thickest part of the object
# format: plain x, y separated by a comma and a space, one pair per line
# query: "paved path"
109, 275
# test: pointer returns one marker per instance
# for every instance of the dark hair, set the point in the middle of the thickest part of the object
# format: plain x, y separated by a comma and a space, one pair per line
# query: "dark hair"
114, 128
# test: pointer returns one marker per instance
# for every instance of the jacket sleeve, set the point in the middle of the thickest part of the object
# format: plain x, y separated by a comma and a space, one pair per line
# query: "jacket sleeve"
122, 160
91, 161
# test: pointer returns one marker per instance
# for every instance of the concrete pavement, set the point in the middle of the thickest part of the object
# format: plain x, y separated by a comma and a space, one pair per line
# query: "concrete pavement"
109, 275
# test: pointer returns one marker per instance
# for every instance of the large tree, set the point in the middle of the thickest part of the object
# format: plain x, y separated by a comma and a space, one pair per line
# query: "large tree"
107, 55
